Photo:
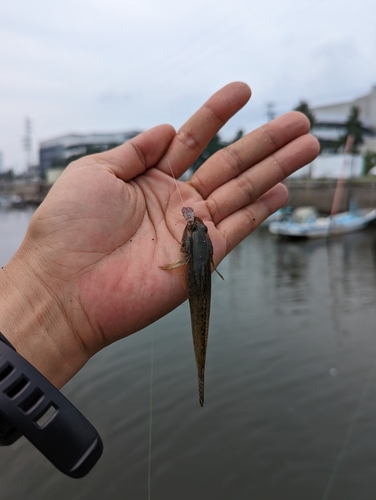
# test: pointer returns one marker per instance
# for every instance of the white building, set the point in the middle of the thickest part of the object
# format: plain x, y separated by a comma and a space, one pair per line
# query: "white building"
341, 110
330, 119
55, 154
332, 166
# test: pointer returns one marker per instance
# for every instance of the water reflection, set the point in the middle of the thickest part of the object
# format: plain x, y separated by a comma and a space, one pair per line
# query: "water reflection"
344, 261
290, 405
13, 226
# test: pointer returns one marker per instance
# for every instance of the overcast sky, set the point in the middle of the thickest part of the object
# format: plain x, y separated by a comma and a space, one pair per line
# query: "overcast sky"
117, 65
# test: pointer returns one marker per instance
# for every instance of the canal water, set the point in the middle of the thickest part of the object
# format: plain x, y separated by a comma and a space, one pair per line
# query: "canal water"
290, 402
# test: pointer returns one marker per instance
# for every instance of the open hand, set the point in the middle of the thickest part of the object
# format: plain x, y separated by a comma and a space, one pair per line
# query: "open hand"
95, 245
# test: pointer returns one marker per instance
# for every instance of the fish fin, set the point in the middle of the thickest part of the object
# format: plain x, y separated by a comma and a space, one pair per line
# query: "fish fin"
176, 265
201, 388
182, 278
215, 269
219, 274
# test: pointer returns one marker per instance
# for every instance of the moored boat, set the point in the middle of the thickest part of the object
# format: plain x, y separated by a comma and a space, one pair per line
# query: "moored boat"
305, 222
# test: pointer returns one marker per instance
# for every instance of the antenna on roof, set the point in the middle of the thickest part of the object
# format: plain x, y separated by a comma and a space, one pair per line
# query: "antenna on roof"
27, 143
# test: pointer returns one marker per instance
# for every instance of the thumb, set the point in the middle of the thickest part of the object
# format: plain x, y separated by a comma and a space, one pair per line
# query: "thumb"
140, 153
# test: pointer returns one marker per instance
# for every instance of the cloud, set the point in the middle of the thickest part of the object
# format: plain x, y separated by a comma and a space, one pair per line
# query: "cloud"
93, 65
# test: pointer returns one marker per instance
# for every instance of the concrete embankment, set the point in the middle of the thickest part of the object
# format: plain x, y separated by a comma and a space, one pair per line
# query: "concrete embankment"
316, 193
32, 193
320, 193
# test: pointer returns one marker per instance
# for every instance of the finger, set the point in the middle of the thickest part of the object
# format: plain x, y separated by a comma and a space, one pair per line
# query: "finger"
229, 162
253, 183
140, 153
241, 223
195, 134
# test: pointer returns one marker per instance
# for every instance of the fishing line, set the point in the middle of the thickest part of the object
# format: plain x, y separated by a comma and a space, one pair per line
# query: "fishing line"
333, 475
152, 367
335, 319
176, 183
150, 408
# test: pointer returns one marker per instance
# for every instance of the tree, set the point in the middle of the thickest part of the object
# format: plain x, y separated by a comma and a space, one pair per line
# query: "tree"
353, 126
9, 175
239, 135
369, 161
215, 145
305, 109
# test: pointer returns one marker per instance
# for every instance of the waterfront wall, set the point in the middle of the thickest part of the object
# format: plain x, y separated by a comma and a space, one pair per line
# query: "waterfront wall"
32, 193
320, 193
317, 193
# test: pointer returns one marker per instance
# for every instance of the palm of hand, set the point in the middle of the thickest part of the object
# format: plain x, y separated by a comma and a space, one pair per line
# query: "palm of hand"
107, 239
88, 271
112, 219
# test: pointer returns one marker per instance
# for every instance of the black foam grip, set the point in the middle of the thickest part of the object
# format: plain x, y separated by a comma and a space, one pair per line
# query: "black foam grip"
31, 406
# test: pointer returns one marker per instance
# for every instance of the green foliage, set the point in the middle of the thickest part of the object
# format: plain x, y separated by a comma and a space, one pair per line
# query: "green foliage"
369, 161
305, 109
7, 176
353, 126
239, 134
216, 144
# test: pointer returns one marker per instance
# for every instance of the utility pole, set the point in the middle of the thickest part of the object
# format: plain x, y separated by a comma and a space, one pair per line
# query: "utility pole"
27, 143
270, 112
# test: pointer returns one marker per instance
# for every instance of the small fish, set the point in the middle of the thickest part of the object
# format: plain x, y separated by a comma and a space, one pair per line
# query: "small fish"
197, 250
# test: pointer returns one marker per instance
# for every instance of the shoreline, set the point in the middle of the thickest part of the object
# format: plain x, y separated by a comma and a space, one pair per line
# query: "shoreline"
318, 193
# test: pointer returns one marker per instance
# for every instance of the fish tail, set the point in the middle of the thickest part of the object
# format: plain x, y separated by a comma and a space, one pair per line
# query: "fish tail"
201, 389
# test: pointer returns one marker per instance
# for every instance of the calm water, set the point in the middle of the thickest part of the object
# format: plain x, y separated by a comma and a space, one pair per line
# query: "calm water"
290, 406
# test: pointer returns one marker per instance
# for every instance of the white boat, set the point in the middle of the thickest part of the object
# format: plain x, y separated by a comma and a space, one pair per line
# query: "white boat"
12, 201
306, 223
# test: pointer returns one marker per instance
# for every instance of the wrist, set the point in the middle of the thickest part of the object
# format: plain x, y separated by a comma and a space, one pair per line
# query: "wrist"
35, 321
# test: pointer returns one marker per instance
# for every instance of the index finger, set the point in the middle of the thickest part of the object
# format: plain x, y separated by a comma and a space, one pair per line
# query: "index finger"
195, 134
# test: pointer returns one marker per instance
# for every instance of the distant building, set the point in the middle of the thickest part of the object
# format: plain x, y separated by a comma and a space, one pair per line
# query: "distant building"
56, 154
1, 162
332, 166
330, 119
